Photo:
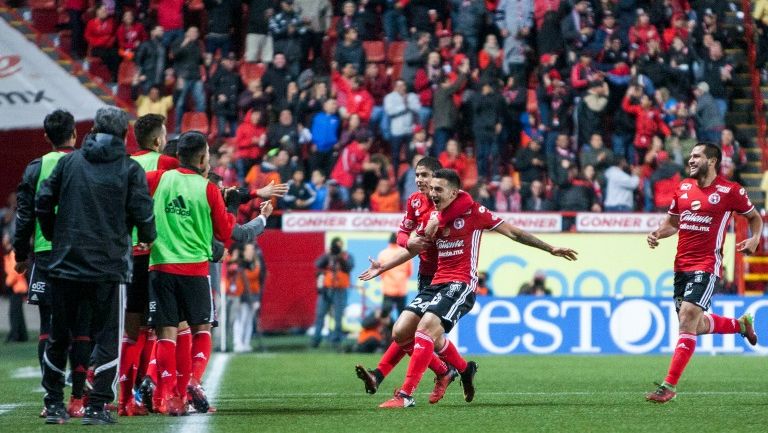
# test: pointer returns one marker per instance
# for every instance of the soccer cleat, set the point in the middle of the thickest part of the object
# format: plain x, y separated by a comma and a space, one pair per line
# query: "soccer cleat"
662, 394
197, 394
146, 390
175, 406
132, 409
748, 328
98, 416
400, 399
441, 385
56, 414
468, 381
368, 378
76, 408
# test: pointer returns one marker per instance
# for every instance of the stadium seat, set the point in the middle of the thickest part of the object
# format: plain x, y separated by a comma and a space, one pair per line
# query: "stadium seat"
252, 71
45, 16
126, 72
397, 69
374, 51
396, 52
65, 41
98, 69
195, 121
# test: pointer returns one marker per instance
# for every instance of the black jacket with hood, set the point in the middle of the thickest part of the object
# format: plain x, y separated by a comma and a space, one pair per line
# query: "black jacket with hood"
101, 195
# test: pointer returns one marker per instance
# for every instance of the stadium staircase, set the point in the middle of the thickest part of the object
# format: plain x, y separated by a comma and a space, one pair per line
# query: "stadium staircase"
46, 16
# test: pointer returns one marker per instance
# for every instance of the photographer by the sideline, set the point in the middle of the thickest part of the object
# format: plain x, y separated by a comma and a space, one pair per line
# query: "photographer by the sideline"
333, 270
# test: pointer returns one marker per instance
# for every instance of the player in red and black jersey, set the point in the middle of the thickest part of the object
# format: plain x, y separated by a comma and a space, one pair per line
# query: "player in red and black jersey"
457, 240
700, 211
411, 238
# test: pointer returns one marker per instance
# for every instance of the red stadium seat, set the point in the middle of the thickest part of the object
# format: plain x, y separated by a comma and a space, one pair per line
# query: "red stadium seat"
252, 71
397, 69
396, 52
126, 72
65, 41
195, 122
374, 51
98, 69
45, 17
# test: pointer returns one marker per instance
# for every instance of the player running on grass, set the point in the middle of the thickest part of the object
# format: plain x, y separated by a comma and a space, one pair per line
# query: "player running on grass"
454, 284
418, 210
699, 213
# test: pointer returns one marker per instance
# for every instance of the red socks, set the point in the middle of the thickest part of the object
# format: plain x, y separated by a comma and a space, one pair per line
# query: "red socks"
423, 352
722, 325
147, 355
392, 357
183, 360
201, 352
686, 345
166, 368
451, 355
129, 357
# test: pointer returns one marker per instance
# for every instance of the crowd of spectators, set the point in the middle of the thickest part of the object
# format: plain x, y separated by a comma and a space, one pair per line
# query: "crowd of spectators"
569, 105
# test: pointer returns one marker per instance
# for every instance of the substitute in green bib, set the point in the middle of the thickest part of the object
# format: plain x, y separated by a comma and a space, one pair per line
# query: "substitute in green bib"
59, 127
190, 212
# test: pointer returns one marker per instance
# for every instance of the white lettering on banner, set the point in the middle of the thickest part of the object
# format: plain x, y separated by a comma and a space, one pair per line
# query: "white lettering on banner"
296, 222
543, 327
585, 322
631, 322
753, 309
617, 222
485, 320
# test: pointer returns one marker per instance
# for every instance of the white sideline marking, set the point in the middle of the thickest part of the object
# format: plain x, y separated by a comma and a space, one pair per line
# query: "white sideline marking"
5, 408
26, 373
198, 423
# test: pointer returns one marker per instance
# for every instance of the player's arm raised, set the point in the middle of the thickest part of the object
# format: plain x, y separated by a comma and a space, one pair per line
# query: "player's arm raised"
667, 228
377, 268
749, 245
525, 238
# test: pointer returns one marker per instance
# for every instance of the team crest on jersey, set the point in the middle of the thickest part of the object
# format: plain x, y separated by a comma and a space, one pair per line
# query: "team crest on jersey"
742, 191
723, 189
685, 187
714, 198
458, 224
695, 205
408, 224
481, 209
416, 203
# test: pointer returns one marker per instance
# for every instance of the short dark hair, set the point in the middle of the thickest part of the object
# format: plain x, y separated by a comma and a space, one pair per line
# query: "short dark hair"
449, 175
59, 127
171, 147
430, 163
147, 128
393, 238
191, 145
112, 121
712, 150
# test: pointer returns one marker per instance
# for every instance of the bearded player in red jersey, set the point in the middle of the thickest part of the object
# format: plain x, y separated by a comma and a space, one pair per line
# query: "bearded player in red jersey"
418, 210
453, 286
699, 213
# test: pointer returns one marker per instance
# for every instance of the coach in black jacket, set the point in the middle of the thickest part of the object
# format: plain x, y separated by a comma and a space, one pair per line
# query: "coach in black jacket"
101, 195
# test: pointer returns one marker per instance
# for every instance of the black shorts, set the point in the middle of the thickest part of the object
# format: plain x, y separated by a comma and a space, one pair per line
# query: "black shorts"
452, 301
425, 294
39, 286
178, 298
695, 287
138, 290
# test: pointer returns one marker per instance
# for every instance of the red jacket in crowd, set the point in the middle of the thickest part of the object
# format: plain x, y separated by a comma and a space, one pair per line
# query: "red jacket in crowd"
640, 36
349, 164
170, 14
248, 138
130, 37
356, 101
100, 34
648, 122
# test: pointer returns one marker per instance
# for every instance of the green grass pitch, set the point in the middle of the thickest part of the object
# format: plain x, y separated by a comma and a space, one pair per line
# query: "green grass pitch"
318, 392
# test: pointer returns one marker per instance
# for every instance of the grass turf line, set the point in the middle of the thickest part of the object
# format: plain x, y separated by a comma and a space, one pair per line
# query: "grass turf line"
318, 392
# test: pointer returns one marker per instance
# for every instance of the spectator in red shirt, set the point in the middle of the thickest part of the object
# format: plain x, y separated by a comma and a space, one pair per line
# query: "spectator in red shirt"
679, 29
454, 158
170, 15
378, 86
353, 161
359, 101
251, 138
734, 156
130, 35
385, 198
641, 33
648, 120
100, 35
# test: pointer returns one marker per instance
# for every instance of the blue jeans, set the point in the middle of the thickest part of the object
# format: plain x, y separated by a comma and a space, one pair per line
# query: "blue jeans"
722, 104
327, 298
622, 146
221, 123
198, 94
214, 42
395, 26
619, 208
425, 114
487, 150
170, 36
442, 135
377, 117
396, 143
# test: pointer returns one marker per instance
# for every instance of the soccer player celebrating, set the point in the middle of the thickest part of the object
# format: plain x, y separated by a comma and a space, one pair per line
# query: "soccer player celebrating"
454, 283
418, 210
699, 213
60, 131
190, 212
